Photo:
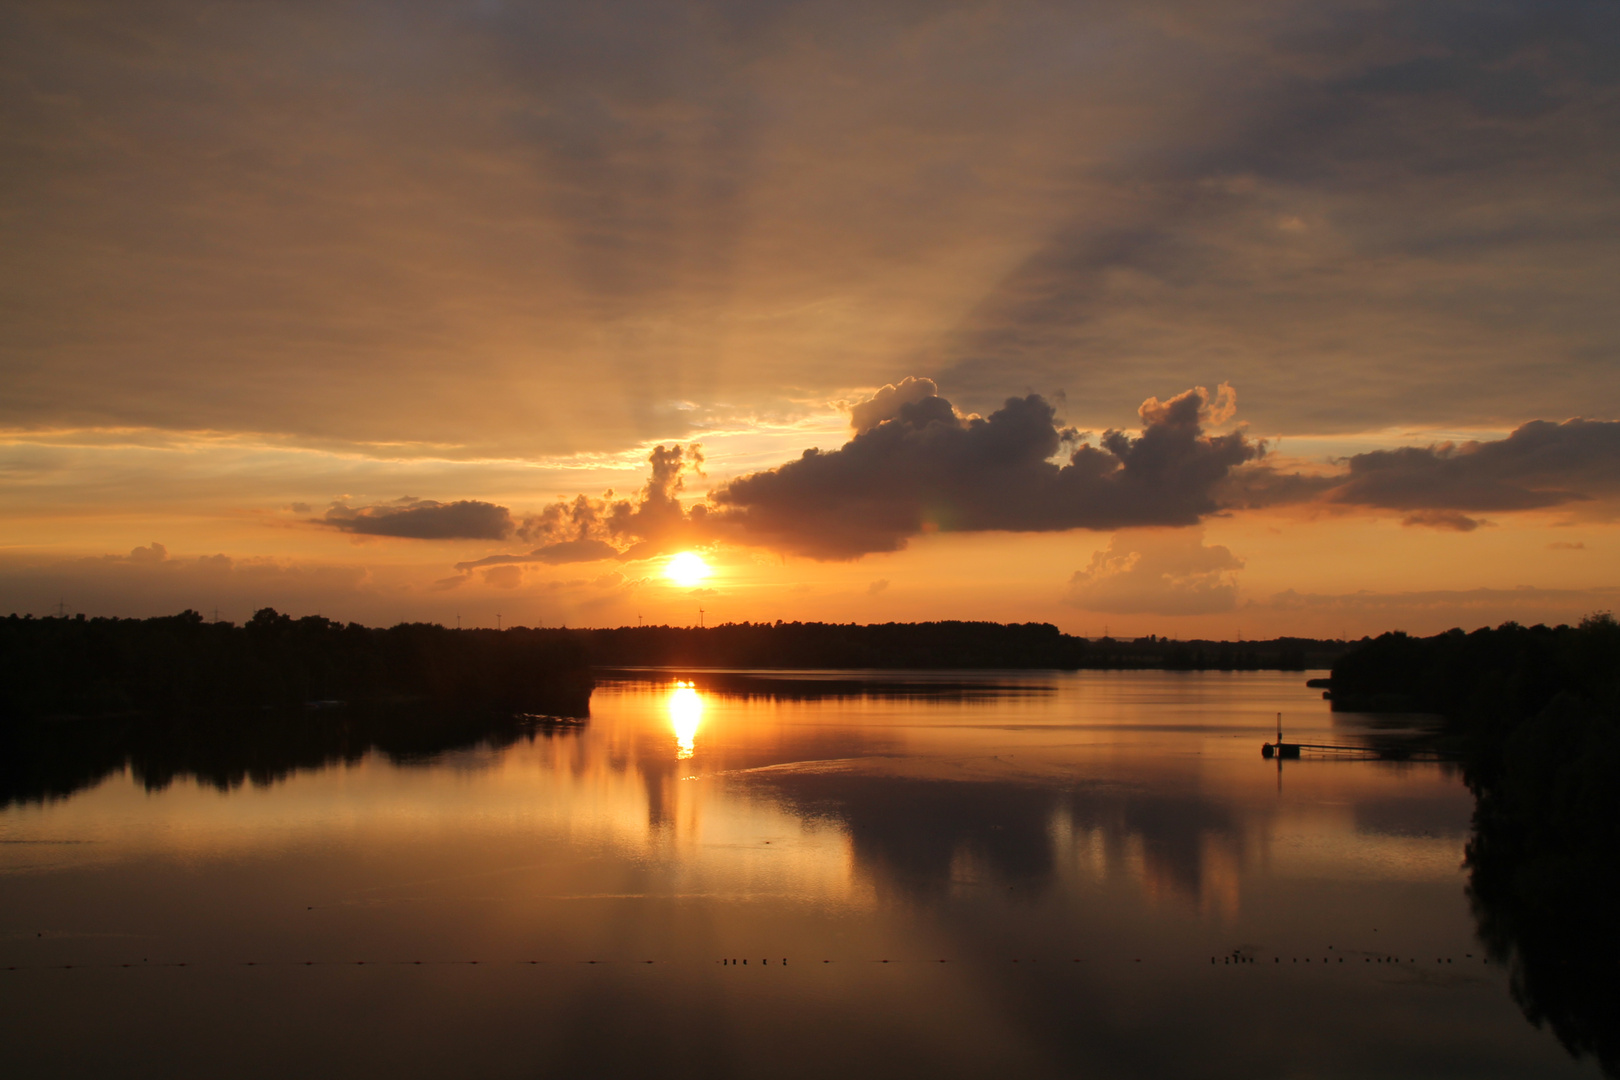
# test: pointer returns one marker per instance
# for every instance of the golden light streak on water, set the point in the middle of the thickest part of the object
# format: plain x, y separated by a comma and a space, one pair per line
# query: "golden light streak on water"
685, 706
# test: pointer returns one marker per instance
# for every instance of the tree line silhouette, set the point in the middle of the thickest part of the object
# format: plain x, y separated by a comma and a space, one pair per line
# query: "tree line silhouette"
81, 698
933, 645
1539, 711
185, 664
181, 664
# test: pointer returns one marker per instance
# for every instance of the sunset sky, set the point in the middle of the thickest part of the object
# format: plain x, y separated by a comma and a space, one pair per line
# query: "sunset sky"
1214, 320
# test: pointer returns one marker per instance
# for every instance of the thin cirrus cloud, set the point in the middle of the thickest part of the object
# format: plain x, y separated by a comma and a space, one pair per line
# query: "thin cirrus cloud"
523, 229
1368, 187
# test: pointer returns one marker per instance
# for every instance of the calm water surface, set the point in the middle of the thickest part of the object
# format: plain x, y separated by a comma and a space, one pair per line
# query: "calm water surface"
996, 874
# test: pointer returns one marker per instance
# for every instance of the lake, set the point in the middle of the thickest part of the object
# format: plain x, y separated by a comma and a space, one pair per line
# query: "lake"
723, 874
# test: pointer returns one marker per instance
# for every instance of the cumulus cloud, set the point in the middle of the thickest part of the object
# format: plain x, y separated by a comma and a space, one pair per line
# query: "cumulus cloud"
1160, 572
584, 529
921, 466
885, 404
651, 523
914, 464
422, 519
154, 553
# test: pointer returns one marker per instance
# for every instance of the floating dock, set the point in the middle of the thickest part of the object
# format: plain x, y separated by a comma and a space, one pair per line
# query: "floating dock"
1364, 752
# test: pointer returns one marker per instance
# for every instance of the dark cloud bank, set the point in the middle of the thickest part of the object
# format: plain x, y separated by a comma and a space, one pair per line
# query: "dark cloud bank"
916, 465
1539, 466
423, 519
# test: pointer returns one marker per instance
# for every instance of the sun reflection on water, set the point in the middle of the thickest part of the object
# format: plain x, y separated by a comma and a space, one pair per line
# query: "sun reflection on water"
685, 714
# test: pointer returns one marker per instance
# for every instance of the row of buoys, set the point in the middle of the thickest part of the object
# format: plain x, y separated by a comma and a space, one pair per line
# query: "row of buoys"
1236, 959
304, 963
1232, 958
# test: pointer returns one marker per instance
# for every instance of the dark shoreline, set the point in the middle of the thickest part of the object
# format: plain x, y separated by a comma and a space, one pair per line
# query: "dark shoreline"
1536, 711
184, 665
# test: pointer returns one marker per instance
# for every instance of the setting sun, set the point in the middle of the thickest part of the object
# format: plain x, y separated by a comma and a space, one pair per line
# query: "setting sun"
687, 569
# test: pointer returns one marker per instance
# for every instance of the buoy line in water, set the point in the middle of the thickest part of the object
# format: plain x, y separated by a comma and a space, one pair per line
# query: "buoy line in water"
1228, 960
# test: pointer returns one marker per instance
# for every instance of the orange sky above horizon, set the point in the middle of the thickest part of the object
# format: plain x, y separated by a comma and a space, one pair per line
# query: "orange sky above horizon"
322, 308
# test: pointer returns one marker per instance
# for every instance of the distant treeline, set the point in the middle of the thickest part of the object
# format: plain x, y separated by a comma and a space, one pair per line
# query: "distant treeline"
1539, 709
181, 664
933, 645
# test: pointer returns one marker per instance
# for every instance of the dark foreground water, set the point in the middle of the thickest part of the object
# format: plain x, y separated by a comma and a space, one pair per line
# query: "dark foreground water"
994, 875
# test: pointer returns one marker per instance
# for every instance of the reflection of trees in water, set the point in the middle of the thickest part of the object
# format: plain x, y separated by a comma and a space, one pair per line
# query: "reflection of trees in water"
1544, 875
48, 761
915, 832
